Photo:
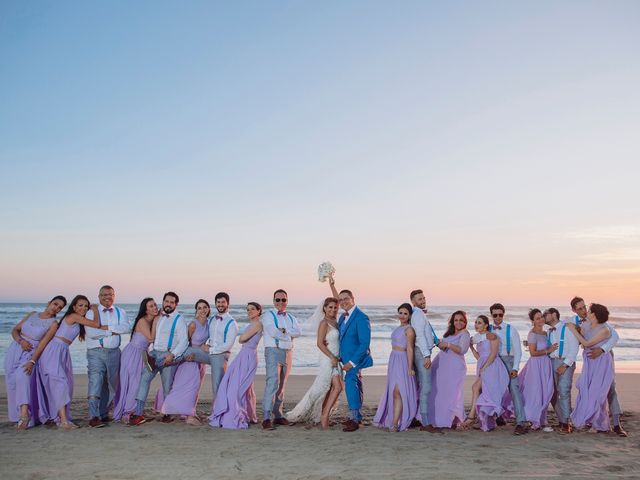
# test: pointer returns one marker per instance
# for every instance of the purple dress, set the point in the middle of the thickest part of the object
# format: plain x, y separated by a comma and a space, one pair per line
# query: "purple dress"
593, 386
536, 383
21, 388
495, 383
183, 397
448, 370
131, 364
55, 374
398, 376
235, 404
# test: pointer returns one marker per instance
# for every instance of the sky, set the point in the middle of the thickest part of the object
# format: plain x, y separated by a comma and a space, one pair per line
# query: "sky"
481, 151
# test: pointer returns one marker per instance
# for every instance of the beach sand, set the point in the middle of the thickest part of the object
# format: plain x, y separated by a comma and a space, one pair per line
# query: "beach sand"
179, 451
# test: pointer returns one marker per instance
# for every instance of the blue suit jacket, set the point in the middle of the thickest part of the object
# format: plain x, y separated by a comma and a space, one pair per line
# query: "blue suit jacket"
355, 338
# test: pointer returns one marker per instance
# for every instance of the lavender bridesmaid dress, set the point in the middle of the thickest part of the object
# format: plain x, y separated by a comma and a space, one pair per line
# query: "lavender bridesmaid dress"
21, 388
398, 375
235, 404
183, 397
536, 383
593, 386
55, 374
131, 364
448, 370
495, 383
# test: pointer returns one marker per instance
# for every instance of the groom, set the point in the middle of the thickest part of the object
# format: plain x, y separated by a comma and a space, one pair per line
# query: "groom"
355, 337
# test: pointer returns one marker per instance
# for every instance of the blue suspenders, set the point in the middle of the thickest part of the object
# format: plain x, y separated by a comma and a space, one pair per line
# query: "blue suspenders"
173, 331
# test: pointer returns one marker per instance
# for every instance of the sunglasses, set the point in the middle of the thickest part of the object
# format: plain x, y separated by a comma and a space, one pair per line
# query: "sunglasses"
278, 300
496, 315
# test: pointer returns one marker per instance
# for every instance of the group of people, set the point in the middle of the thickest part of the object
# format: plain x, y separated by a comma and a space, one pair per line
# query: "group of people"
420, 392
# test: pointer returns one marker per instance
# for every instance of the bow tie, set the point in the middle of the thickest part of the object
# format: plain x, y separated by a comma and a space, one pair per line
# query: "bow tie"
346, 314
424, 310
497, 328
582, 320
166, 314
110, 309
552, 329
282, 314
218, 317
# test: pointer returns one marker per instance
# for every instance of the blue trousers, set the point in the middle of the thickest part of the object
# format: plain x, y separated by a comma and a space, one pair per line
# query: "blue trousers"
278, 365
166, 375
561, 399
353, 389
514, 388
103, 366
423, 375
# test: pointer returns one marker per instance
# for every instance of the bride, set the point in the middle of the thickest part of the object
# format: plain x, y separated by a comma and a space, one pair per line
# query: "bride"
322, 397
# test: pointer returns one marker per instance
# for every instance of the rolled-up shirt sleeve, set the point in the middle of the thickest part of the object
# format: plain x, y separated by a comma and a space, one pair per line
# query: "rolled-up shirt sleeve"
232, 333
419, 325
183, 339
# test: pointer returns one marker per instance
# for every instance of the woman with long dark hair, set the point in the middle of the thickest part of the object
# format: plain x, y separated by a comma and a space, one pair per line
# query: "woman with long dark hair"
448, 371
55, 386
133, 358
30, 336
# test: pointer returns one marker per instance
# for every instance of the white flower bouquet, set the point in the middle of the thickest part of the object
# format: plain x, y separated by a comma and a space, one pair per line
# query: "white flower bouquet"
325, 270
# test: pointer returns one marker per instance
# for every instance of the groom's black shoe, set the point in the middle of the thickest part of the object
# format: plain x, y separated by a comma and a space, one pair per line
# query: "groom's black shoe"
351, 426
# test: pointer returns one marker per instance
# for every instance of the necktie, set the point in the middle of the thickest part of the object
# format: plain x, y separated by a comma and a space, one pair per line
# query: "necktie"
110, 309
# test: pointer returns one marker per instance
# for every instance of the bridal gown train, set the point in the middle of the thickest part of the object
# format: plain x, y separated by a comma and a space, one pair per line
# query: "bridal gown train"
309, 409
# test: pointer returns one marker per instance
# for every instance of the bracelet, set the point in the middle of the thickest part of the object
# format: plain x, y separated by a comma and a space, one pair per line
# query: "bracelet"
32, 361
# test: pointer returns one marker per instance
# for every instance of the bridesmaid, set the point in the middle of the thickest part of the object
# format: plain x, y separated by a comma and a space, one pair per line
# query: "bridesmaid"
536, 378
448, 371
183, 397
597, 373
492, 381
131, 362
30, 336
235, 404
399, 403
55, 374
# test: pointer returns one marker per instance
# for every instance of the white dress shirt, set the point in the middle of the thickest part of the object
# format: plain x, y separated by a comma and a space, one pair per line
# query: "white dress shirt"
115, 318
163, 332
570, 349
611, 342
424, 332
217, 325
272, 337
516, 348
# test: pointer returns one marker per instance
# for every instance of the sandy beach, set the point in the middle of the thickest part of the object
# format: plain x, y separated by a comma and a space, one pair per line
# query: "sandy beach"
155, 450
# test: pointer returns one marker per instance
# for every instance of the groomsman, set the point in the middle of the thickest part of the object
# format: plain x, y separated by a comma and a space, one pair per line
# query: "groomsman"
170, 342
279, 330
510, 353
223, 331
564, 366
103, 355
425, 340
579, 307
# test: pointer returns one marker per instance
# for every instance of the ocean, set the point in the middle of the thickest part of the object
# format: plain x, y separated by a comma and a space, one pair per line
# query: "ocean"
383, 320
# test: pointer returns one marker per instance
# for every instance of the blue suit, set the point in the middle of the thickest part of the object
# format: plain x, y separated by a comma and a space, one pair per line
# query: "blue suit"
355, 338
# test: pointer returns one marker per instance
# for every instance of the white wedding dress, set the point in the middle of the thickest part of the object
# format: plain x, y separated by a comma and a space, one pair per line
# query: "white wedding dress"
309, 409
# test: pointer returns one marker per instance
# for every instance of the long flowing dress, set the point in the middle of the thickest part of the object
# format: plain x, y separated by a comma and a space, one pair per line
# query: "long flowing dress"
398, 376
309, 408
495, 383
448, 370
131, 364
536, 383
593, 386
235, 404
55, 374
21, 388
183, 397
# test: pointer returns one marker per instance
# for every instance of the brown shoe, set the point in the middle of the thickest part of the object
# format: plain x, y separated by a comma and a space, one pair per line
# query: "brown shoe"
281, 421
166, 419
415, 423
500, 422
267, 425
351, 426
135, 420
618, 430
565, 428
106, 419
95, 422
430, 429
520, 430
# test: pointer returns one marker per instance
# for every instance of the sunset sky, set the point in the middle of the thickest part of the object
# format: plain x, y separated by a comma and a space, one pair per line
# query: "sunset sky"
483, 151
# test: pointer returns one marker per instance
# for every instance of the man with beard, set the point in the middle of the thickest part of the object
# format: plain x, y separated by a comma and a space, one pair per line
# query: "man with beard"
223, 331
170, 342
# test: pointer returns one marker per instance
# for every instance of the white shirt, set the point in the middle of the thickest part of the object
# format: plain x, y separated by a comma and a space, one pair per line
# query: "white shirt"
163, 332
217, 325
424, 332
272, 337
611, 342
570, 349
111, 337
516, 348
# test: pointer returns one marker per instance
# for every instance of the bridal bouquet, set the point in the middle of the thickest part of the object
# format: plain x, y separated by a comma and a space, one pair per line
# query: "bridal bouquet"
325, 270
